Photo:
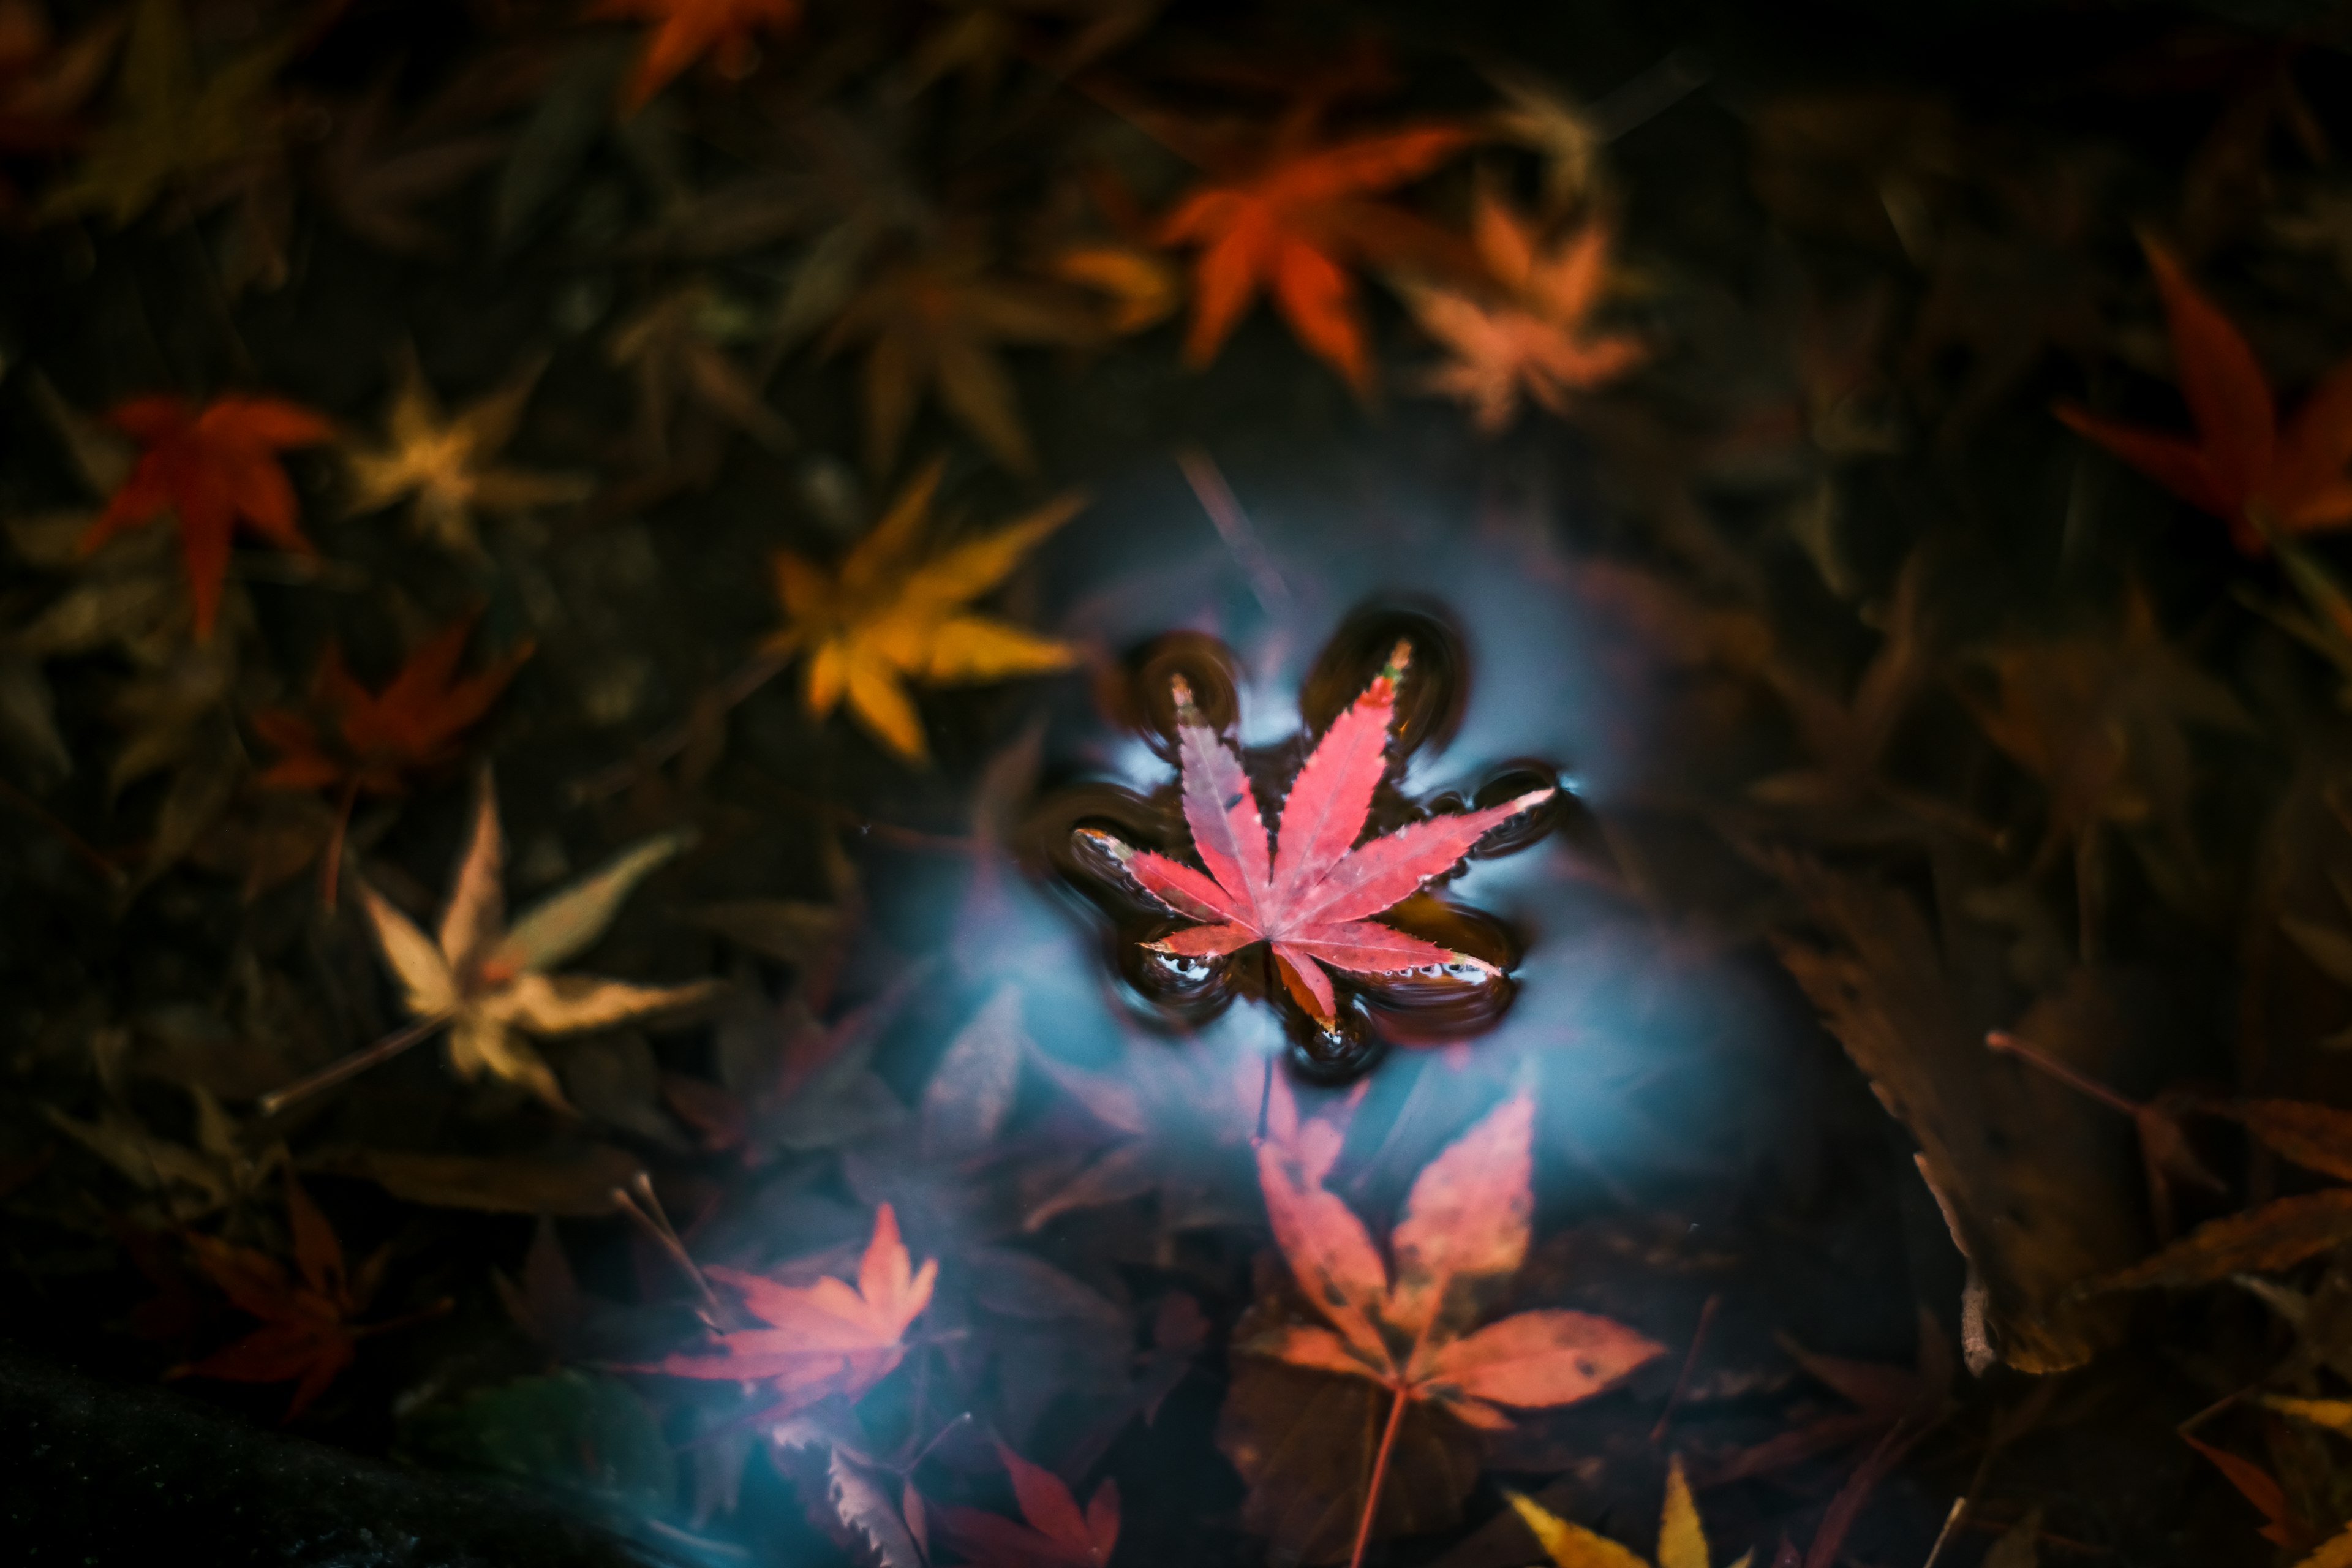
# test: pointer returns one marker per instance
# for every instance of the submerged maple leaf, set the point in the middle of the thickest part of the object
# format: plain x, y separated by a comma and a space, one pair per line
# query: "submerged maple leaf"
686, 30
442, 466
1291, 222
1313, 899
212, 468
938, 319
379, 740
1057, 1534
887, 616
170, 126
1539, 339
1681, 1541
488, 981
829, 1338
307, 1330
1463, 1232
2243, 467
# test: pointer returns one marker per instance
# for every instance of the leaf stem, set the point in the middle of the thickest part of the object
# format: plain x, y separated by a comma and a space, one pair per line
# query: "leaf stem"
2002, 1040
359, 1061
1379, 1474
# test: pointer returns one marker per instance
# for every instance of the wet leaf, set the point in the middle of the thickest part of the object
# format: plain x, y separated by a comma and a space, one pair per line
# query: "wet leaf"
686, 31
1531, 333
307, 1335
212, 468
573, 1184
935, 322
820, 1340
2243, 467
489, 980
1056, 1533
1682, 1542
444, 467
1463, 1234
892, 613
1311, 897
1290, 218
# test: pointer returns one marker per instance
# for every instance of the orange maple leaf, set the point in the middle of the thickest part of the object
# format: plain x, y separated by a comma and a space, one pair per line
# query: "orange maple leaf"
2243, 468
1291, 222
307, 1330
381, 740
1464, 1231
212, 468
1538, 338
823, 1339
686, 30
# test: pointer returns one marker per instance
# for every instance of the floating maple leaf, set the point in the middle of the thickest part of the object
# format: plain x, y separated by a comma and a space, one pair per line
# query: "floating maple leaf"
488, 981
381, 740
1290, 220
829, 1338
1681, 1541
1463, 1234
887, 616
686, 30
1312, 900
1539, 340
2243, 467
212, 468
308, 1329
1057, 1534
443, 466
44, 84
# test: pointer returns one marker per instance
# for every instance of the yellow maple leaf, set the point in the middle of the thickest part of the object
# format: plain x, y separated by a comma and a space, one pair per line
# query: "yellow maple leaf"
1682, 1542
487, 980
890, 613
442, 466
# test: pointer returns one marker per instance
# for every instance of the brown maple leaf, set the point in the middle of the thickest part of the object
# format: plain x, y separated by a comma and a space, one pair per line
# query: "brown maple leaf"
309, 1331
1463, 1234
935, 320
1538, 338
211, 467
684, 31
1290, 218
378, 742
2245, 467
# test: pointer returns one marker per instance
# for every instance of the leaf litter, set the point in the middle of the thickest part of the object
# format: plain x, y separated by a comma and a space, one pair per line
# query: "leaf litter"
1842, 1035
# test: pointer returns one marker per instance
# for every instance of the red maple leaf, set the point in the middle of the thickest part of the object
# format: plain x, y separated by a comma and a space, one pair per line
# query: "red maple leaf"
823, 1339
1313, 899
2243, 468
1291, 222
380, 740
1463, 1234
307, 1330
1057, 1534
686, 30
212, 468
